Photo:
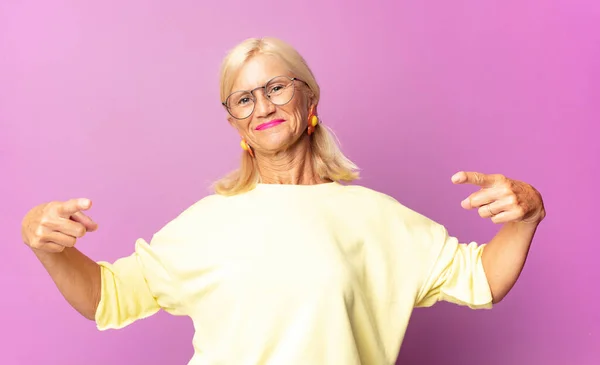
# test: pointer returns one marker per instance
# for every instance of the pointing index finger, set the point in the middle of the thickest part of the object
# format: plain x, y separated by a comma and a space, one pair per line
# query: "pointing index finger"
475, 178
73, 206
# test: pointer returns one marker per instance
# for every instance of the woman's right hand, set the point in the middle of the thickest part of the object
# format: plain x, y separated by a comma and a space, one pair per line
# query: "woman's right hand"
51, 227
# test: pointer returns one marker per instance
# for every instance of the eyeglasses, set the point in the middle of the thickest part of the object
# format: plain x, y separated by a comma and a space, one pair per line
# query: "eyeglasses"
279, 90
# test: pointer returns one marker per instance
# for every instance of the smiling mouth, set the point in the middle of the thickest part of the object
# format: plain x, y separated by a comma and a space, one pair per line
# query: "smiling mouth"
269, 124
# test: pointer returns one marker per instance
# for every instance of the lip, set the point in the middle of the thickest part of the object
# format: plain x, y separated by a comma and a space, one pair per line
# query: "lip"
269, 124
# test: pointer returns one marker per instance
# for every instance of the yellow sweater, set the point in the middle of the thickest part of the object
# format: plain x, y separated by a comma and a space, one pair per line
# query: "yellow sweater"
294, 275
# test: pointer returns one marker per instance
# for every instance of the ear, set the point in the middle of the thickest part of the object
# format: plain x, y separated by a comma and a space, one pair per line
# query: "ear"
311, 103
233, 122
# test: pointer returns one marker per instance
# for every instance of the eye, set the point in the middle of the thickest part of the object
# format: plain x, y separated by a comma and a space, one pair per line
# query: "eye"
243, 101
273, 89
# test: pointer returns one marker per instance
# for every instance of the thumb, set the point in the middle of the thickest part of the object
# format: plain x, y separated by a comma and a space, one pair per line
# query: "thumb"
87, 222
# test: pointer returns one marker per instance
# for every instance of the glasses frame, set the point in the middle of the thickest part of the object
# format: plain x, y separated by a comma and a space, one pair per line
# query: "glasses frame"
264, 88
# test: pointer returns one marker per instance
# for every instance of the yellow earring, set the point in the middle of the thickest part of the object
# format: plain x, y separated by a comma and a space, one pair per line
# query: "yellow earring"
313, 120
246, 147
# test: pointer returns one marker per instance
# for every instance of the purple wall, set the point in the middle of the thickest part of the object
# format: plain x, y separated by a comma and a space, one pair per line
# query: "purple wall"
118, 102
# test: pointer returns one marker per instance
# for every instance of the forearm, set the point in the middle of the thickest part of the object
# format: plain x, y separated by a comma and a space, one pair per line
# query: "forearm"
76, 276
505, 255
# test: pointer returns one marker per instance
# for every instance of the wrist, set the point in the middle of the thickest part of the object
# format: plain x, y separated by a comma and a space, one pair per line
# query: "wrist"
531, 223
537, 217
47, 257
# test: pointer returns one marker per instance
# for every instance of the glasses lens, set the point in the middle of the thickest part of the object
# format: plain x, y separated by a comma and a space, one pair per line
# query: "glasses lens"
280, 90
240, 104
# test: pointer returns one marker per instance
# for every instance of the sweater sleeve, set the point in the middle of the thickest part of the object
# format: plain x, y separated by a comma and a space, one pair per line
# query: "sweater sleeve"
136, 287
454, 272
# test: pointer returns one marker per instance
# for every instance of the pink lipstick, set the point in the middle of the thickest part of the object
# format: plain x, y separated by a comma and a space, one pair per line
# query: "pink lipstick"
269, 124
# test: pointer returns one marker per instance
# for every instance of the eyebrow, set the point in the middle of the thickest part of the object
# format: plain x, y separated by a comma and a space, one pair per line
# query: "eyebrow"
287, 74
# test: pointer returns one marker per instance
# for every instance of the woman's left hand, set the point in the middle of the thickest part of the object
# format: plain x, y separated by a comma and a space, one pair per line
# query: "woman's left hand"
502, 199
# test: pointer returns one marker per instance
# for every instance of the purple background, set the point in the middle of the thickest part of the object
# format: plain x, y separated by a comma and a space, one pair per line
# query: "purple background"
118, 102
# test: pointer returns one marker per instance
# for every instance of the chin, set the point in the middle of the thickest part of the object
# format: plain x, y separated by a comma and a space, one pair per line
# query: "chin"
276, 142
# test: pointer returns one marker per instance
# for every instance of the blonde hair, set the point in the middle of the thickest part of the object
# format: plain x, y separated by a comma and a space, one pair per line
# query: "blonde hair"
328, 160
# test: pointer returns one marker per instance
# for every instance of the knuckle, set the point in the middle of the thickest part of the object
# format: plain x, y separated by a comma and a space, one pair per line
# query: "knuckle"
516, 186
80, 231
70, 242
45, 220
39, 231
37, 244
52, 205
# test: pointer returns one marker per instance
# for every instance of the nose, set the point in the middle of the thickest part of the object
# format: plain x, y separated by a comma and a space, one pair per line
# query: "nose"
263, 105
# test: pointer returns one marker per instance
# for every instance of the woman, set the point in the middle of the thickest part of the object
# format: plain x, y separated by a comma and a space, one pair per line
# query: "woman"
284, 264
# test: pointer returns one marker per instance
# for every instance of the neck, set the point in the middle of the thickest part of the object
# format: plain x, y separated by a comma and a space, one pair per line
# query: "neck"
291, 166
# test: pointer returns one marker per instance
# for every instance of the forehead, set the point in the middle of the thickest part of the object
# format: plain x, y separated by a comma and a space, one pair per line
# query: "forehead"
258, 70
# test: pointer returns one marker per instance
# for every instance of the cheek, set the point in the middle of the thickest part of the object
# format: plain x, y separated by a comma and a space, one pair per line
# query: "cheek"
296, 119
299, 114
301, 119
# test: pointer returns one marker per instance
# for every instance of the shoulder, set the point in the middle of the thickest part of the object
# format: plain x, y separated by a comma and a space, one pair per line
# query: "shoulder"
390, 209
361, 192
195, 217
406, 234
381, 200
